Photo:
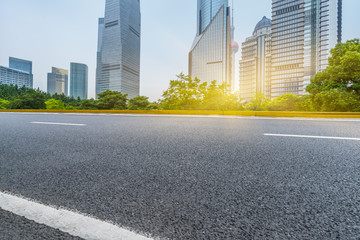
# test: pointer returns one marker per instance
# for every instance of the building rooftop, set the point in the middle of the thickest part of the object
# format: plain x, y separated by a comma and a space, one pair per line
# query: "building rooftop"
264, 22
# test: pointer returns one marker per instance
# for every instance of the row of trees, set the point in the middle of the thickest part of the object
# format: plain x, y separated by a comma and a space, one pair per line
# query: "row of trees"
336, 89
13, 97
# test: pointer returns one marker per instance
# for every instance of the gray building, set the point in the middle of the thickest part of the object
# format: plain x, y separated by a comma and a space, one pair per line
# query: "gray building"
255, 65
18, 73
78, 80
211, 55
57, 81
118, 66
303, 33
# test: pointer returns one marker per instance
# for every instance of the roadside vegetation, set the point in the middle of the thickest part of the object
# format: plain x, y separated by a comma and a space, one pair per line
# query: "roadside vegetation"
336, 89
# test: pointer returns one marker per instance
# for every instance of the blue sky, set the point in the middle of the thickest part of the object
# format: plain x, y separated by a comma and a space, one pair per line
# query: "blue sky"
57, 32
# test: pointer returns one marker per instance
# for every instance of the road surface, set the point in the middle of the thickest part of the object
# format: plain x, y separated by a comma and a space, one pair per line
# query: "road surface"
184, 177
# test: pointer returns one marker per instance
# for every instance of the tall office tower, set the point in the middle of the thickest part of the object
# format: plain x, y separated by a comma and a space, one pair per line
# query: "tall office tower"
57, 81
18, 73
118, 66
211, 55
78, 80
20, 64
303, 33
255, 65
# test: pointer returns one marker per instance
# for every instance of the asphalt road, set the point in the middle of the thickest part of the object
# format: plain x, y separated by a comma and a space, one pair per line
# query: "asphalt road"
185, 177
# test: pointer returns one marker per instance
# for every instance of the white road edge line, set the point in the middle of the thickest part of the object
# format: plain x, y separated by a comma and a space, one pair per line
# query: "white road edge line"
63, 124
307, 136
66, 221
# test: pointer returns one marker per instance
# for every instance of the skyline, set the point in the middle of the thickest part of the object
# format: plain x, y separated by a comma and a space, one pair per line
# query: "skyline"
164, 50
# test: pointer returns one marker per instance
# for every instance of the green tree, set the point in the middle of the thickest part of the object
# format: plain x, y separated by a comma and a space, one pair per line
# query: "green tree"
286, 102
339, 81
336, 101
138, 103
4, 104
88, 104
32, 99
184, 93
112, 100
258, 102
54, 104
153, 106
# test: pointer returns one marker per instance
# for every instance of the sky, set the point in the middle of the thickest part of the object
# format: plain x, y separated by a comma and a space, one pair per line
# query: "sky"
57, 32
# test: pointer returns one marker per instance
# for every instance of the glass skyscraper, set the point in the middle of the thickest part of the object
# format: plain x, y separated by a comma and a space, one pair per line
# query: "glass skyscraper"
57, 81
303, 33
118, 66
255, 65
78, 80
211, 56
18, 73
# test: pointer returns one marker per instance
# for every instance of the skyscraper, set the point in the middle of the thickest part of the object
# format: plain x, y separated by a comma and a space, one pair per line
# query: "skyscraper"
118, 66
20, 64
211, 56
78, 80
57, 81
303, 33
18, 73
255, 65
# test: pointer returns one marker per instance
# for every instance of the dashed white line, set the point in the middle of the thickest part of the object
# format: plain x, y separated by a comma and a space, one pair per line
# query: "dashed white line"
75, 224
55, 123
308, 136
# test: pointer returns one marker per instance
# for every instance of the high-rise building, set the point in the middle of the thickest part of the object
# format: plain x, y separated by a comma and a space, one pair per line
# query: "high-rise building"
57, 81
78, 80
18, 73
303, 33
118, 66
255, 65
211, 55
20, 64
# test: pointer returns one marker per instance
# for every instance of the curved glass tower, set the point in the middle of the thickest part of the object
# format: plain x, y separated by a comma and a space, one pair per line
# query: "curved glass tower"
211, 57
118, 67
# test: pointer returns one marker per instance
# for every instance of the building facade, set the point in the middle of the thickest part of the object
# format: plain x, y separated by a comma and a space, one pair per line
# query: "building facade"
57, 81
18, 73
211, 55
118, 66
255, 65
303, 33
78, 80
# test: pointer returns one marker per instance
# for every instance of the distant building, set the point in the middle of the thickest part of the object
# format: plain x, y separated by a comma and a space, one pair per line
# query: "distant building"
255, 65
118, 66
78, 80
20, 64
18, 73
303, 33
57, 81
211, 55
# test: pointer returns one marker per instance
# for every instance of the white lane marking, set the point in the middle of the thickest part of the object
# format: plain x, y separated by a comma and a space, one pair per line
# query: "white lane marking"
73, 223
307, 136
198, 116
63, 124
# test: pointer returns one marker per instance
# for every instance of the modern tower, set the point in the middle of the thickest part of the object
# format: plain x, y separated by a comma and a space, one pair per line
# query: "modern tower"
255, 65
57, 81
18, 73
118, 66
303, 33
78, 80
211, 55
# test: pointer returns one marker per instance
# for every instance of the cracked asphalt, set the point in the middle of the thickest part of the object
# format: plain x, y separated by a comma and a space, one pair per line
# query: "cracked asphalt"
185, 177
